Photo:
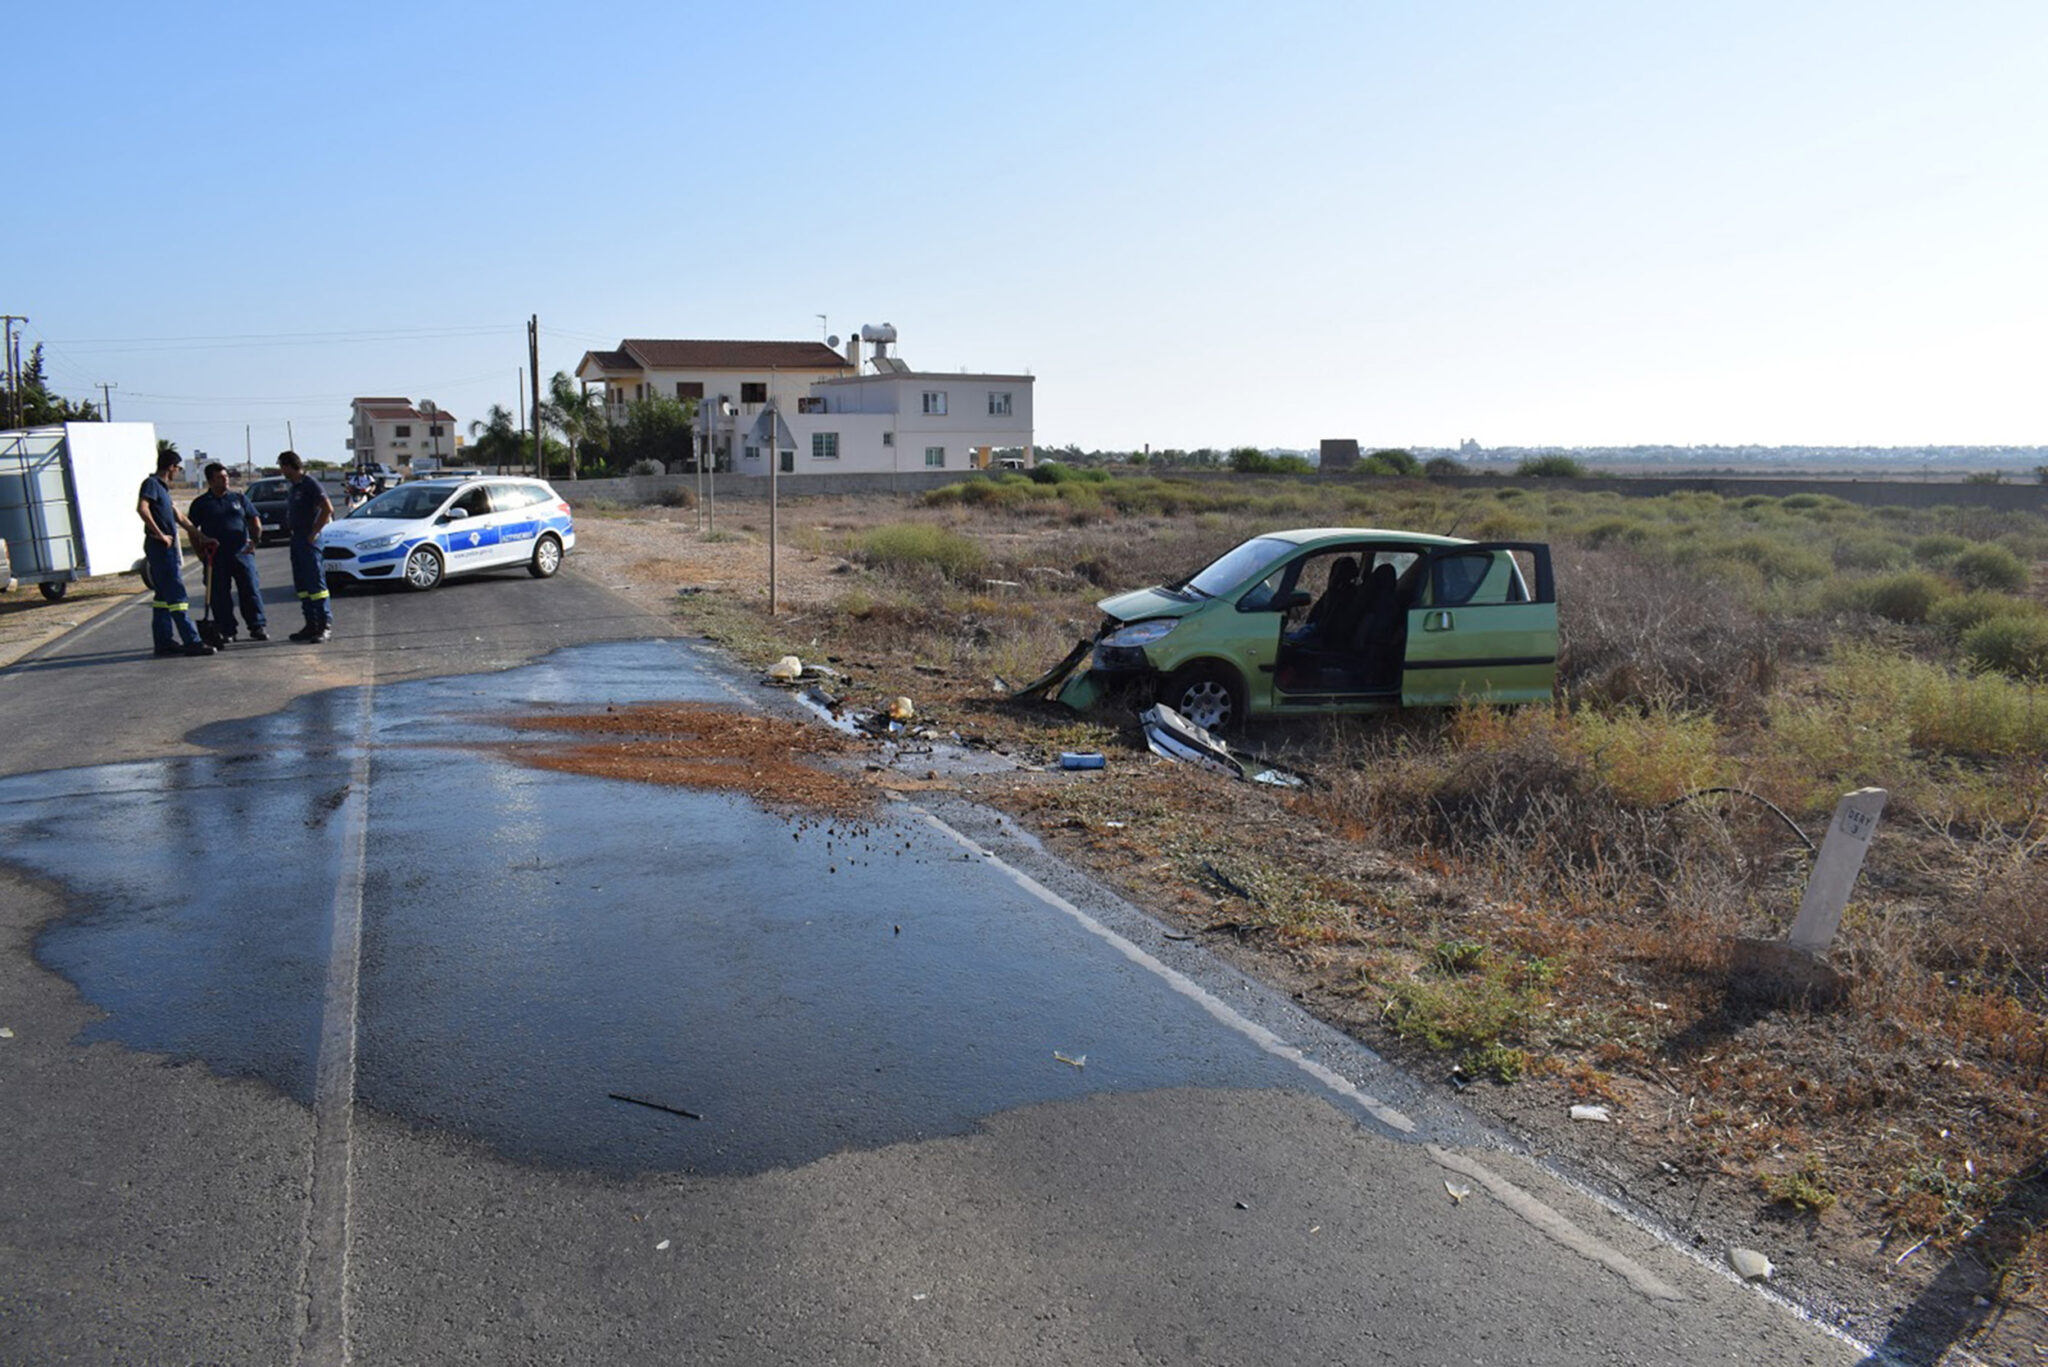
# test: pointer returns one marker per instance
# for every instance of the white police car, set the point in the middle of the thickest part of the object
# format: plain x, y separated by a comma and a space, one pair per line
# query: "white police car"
422, 532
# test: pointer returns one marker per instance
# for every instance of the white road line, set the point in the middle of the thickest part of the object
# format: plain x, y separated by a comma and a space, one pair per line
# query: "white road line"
1195, 992
1527, 1207
323, 1281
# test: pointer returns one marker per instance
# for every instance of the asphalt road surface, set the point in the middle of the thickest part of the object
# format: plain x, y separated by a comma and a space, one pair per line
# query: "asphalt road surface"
335, 1034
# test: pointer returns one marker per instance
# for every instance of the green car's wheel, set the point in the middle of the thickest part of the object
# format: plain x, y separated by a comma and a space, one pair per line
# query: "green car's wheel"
1208, 694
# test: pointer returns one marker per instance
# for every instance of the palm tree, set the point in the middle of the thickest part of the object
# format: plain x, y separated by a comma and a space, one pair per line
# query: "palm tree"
497, 434
579, 414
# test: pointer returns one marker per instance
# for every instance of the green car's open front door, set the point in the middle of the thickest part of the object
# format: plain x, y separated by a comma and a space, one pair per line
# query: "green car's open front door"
1484, 626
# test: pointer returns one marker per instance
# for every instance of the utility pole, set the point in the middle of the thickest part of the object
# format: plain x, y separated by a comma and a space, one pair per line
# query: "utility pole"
106, 400
533, 358
13, 358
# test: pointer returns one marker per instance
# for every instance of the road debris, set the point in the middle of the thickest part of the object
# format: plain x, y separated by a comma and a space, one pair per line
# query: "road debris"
1596, 1113
654, 1105
1750, 1265
1169, 734
788, 669
1082, 759
1078, 1061
1457, 1193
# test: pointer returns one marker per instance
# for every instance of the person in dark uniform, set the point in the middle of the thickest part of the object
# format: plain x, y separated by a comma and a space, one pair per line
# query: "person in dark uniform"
307, 510
170, 616
230, 519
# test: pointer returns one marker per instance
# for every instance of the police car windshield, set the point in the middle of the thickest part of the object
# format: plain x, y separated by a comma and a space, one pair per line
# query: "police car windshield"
408, 502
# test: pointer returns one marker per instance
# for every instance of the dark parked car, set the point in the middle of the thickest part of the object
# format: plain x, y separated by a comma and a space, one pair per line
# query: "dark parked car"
269, 497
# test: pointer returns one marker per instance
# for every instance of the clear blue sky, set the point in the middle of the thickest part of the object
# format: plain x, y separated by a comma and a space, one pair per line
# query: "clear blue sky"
1197, 224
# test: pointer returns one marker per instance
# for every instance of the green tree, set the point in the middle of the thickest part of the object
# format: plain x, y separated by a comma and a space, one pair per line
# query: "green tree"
32, 404
1436, 467
1551, 467
1392, 461
578, 413
656, 429
498, 440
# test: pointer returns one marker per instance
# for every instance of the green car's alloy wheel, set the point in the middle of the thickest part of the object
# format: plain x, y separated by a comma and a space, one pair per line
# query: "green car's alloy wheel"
1209, 695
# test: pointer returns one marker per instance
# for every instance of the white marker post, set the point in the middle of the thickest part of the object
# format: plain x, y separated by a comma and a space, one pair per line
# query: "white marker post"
1834, 873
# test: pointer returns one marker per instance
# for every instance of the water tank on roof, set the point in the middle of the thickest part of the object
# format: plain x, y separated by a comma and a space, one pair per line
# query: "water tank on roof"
873, 332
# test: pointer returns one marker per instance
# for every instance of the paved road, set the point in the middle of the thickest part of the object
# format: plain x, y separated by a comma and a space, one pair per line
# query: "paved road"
319, 1002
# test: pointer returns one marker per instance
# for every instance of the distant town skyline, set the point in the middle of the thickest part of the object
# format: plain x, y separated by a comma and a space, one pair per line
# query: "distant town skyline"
1584, 224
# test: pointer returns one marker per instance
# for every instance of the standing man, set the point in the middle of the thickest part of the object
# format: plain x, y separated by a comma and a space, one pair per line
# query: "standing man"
230, 519
307, 509
170, 619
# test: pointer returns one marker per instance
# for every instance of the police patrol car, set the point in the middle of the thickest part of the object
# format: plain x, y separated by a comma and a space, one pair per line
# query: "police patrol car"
420, 533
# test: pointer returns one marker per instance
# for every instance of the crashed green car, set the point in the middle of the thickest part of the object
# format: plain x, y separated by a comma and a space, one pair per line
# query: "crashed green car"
1332, 620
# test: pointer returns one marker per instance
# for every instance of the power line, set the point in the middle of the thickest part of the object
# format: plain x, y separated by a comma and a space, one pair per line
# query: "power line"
265, 338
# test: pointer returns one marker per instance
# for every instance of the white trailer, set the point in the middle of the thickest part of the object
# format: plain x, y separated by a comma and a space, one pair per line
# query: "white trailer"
67, 500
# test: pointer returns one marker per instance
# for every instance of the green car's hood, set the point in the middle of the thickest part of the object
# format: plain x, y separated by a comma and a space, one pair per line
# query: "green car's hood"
1139, 604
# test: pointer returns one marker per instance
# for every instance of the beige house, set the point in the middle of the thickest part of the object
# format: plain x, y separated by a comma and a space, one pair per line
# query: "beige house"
395, 432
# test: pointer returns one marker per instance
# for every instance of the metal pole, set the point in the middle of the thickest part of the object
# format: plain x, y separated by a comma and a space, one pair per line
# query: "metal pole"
774, 467
533, 357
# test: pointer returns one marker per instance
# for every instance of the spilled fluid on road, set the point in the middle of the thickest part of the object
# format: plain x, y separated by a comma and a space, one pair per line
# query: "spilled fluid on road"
776, 983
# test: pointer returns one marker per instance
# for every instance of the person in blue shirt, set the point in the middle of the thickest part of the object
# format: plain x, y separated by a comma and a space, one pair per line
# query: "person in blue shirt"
230, 519
307, 509
170, 615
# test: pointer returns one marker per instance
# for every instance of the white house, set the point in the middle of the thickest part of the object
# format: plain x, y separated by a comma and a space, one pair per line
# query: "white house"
835, 419
394, 432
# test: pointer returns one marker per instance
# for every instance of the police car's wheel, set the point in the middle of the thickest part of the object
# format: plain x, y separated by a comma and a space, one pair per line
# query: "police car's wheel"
423, 568
547, 558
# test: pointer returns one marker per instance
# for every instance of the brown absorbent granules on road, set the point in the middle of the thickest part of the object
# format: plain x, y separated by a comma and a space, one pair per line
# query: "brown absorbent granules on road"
696, 745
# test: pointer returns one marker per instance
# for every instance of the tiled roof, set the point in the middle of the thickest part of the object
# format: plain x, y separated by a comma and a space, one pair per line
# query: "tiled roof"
661, 354
609, 360
401, 410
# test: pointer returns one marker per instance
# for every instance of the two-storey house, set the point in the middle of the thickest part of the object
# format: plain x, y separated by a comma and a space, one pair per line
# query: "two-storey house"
394, 432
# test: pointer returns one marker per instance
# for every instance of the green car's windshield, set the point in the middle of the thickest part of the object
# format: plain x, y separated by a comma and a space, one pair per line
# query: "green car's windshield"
407, 502
1236, 566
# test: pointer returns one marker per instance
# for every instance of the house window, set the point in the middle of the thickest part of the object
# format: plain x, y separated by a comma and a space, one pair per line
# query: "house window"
639, 392
935, 457
753, 391
750, 452
689, 389
810, 405
434, 429
998, 405
888, 439
935, 402
824, 446
402, 430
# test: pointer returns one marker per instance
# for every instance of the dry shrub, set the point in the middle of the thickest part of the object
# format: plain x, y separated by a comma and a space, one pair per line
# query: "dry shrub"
1637, 631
